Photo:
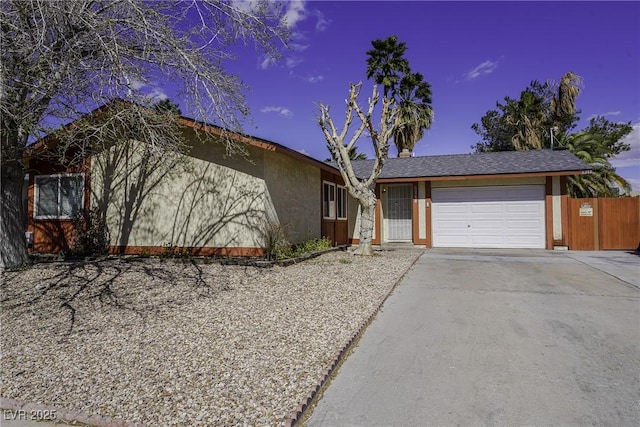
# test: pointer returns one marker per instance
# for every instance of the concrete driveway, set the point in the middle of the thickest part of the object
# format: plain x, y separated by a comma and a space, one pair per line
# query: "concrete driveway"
493, 337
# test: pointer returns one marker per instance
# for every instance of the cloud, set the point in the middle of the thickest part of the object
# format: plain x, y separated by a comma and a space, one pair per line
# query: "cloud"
629, 158
152, 90
244, 5
297, 47
266, 62
314, 79
136, 84
608, 113
293, 62
487, 67
322, 23
282, 111
296, 12
157, 94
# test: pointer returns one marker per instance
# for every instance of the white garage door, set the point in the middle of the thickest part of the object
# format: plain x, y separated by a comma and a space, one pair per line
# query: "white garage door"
489, 217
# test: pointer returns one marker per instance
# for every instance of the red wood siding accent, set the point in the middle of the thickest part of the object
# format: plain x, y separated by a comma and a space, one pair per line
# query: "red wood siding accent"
337, 230
201, 251
53, 235
415, 215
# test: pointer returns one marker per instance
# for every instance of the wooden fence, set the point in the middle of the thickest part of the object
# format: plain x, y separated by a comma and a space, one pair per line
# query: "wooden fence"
604, 224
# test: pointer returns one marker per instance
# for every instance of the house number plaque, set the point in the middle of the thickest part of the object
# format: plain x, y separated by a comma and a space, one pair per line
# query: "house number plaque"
586, 209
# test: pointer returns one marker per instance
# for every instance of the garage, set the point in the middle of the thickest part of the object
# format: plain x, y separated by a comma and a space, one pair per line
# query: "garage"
489, 217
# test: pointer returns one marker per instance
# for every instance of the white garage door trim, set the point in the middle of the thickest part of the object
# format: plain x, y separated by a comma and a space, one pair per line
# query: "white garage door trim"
489, 217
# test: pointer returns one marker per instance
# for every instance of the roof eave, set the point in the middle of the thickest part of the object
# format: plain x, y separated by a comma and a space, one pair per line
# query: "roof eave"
257, 142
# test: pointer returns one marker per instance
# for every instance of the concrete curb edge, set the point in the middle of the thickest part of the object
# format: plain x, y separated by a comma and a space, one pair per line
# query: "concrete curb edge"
297, 414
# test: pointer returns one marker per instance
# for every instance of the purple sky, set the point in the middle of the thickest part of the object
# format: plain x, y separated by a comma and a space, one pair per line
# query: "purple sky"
472, 53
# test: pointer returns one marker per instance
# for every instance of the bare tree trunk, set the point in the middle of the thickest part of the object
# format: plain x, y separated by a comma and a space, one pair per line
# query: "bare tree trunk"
367, 217
13, 247
360, 189
62, 58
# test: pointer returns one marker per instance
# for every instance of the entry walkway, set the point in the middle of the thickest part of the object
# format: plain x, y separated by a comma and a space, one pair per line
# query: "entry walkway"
498, 338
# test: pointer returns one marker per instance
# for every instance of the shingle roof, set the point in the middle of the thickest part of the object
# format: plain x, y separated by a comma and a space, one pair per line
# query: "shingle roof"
498, 163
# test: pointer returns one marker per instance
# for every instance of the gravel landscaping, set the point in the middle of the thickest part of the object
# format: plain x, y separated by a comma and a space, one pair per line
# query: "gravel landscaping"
184, 343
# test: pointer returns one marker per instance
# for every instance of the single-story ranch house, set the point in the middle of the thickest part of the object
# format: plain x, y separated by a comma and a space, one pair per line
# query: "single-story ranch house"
209, 203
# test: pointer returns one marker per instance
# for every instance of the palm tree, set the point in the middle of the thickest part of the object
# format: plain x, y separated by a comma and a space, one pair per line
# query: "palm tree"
412, 94
386, 63
527, 117
414, 111
603, 181
353, 155
563, 104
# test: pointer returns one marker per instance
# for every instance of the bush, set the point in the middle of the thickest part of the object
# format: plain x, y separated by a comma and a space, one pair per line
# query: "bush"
91, 233
314, 245
274, 241
286, 250
277, 246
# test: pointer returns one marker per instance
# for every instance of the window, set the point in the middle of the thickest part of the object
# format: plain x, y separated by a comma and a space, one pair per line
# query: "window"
342, 202
328, 200
58, 196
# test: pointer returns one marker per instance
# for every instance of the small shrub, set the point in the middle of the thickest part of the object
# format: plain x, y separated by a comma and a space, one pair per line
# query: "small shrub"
314, 245
91, 233
278, 247
283, 250
274, 241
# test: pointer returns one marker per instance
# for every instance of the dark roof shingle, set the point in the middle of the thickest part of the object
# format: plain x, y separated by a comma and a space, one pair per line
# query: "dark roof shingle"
497, 163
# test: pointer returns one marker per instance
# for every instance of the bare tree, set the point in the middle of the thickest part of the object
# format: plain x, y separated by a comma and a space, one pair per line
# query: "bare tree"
61, 59
362, 189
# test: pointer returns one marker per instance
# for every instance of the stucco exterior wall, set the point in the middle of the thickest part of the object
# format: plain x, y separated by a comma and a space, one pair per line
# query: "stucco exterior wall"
178, 200
205, 199
294, 191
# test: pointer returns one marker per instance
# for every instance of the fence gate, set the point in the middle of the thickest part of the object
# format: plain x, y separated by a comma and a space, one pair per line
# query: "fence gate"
604, 223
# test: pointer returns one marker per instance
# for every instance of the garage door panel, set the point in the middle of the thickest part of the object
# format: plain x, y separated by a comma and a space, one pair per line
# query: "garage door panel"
486, 208
517, 225
485, 224
518, 208
452, 224
497, 217
452, 208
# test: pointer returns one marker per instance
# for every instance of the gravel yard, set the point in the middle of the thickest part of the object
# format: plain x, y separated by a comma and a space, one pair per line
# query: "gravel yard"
174, 342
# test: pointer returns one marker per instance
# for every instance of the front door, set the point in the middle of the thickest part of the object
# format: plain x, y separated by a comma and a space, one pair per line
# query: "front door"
399, 213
